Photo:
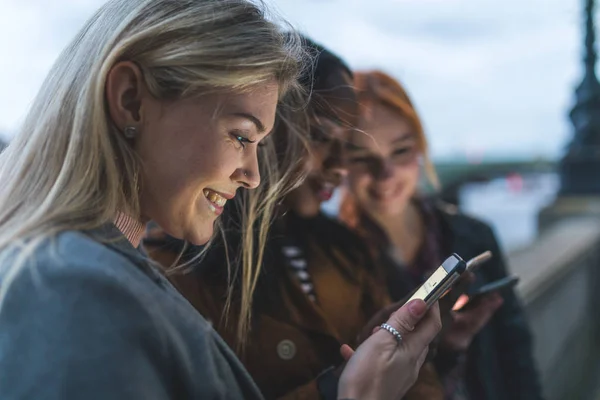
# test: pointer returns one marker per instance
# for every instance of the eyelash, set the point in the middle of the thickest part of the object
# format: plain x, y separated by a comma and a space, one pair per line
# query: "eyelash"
397, 152
243, 141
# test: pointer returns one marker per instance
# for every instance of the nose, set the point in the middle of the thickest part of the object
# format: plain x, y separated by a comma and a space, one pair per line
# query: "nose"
248, 175
335, 163
382, 170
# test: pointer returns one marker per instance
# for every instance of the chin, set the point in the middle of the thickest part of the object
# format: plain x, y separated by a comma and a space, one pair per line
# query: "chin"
388, 208
199, 238
199, 233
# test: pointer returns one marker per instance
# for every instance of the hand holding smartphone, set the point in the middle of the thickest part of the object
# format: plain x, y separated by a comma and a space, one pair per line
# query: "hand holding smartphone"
441, 280
492, 287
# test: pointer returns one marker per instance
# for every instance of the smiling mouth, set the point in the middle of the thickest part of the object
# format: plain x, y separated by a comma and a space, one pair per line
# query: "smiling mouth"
384, 195
324, 189
216, 202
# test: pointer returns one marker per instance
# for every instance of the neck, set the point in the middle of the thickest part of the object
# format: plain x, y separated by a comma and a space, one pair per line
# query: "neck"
131, 228
399, 222
404, 230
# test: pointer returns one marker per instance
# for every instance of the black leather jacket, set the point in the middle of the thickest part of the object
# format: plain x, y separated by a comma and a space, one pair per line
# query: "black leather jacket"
499, 365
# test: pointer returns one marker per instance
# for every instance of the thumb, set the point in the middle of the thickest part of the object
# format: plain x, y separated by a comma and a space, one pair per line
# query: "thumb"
407, 317
346, 352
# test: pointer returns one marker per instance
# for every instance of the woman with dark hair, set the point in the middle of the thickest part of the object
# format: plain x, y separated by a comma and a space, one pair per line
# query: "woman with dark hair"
317, 288
486, 352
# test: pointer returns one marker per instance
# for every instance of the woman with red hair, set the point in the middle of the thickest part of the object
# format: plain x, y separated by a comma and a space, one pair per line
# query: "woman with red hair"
485, 353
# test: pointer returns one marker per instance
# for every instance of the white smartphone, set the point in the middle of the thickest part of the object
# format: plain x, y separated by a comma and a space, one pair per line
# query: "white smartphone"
441, 280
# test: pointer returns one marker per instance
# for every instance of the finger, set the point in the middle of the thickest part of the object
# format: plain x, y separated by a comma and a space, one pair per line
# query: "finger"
346, 352
461, 302
407, 316
428, 328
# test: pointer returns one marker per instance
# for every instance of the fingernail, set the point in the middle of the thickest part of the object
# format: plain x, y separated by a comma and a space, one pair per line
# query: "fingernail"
417, 308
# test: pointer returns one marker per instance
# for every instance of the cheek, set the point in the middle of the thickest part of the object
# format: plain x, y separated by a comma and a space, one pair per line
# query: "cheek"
178, 162
359, 182
314, 163
410, 172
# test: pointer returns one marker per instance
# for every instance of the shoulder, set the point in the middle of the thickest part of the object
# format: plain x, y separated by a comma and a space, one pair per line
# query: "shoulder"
464, 226
72, 278
336, 233
68, 256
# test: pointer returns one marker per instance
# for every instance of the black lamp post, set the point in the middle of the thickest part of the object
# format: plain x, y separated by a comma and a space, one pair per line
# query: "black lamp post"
580, 167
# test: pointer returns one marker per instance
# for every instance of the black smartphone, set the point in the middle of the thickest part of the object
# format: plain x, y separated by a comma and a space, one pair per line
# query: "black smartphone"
441, 280
496, 286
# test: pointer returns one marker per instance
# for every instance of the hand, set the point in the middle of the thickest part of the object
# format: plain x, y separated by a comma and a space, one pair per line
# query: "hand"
379, 318
380, 368
447, 302
464, 325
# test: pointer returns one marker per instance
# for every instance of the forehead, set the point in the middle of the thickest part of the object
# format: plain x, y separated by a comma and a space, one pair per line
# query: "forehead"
336, 100
260, 102
378, 125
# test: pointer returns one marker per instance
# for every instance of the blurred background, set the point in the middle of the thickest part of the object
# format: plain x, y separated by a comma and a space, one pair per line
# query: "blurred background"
510, 100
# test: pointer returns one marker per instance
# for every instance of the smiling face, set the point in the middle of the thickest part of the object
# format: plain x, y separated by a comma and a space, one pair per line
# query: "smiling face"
197, 152
383, 168
335, 114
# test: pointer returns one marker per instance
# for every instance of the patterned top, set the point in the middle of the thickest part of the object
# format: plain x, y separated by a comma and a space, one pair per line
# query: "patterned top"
298, 265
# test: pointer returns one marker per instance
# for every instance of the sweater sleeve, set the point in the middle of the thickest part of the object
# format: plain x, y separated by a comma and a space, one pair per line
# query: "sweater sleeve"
72, 333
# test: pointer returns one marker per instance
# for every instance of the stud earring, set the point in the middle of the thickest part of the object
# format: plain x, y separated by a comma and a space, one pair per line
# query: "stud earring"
130, 132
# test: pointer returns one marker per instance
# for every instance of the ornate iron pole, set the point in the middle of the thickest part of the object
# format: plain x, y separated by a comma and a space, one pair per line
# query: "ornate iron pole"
580, 167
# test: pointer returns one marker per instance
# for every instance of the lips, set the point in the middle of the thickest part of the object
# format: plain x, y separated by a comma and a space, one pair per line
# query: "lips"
323, 189
326, 191
216, 201
385, 194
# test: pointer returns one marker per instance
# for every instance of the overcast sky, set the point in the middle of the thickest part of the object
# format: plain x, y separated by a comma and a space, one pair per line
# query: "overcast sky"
487, 76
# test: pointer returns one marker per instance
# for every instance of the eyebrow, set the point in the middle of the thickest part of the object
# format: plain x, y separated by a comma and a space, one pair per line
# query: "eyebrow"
403, 138
354, 147
259, 125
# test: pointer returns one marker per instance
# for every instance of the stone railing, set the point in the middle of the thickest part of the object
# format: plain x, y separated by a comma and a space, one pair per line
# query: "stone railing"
560, 278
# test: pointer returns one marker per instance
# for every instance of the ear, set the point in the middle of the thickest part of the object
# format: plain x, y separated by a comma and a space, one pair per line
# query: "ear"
124, 91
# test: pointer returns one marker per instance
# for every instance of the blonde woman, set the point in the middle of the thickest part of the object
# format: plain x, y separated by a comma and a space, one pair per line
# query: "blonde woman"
154, 112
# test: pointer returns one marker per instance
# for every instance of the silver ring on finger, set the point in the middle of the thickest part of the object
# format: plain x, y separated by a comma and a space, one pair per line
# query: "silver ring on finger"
393, 331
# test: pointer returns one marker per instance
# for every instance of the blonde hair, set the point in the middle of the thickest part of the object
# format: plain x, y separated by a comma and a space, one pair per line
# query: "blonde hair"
69, 168
282, 161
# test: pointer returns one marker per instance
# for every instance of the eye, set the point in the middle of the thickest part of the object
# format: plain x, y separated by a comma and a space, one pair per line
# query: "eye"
319, 135
242, 140
404, 153
358, 160
401, 151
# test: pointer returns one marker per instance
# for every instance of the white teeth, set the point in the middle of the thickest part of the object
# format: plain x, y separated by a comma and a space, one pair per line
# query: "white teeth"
215, 198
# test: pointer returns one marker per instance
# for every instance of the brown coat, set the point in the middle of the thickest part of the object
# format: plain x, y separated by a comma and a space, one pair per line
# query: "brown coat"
291, 344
